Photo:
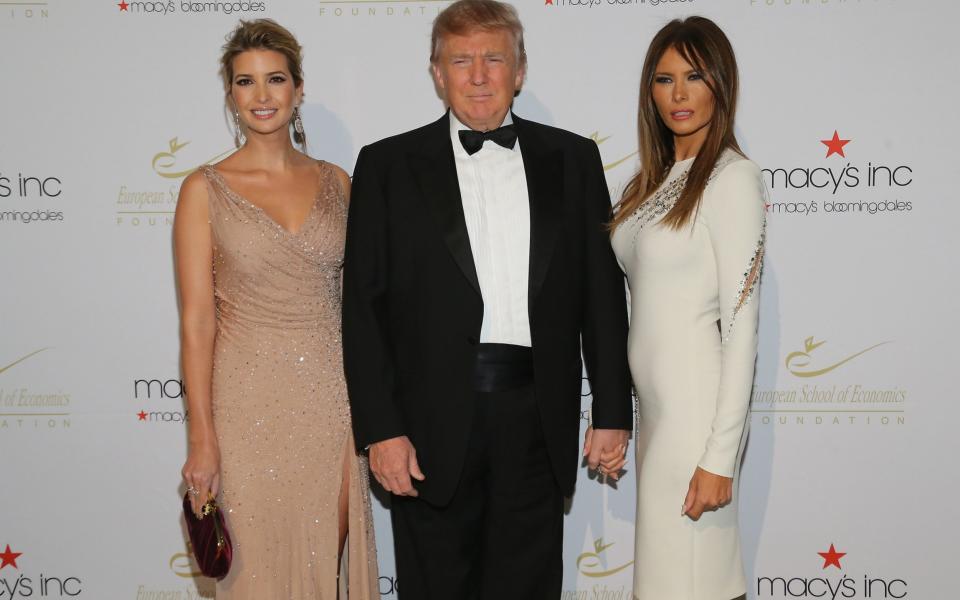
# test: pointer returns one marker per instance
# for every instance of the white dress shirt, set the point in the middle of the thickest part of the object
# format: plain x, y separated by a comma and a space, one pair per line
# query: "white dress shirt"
496, 206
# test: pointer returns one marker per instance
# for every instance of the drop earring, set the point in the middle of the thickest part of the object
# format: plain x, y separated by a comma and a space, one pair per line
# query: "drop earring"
297, 121
298, 135
238, 138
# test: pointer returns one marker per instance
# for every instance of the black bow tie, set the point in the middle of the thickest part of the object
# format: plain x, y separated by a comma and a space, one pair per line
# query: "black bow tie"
472, 141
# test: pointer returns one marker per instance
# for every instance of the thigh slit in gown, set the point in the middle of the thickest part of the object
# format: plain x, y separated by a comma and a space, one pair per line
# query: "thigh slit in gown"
692, 348
280, 401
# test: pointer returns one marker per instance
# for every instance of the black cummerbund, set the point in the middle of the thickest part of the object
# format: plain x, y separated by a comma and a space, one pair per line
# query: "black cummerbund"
502, 367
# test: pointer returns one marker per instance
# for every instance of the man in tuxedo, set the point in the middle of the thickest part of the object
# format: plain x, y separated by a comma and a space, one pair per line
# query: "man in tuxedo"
477, 263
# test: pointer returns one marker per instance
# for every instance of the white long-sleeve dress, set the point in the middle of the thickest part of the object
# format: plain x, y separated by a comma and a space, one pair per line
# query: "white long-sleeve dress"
692, 349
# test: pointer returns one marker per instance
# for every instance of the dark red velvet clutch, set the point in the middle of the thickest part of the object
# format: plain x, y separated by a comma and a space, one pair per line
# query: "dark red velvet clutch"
209, 538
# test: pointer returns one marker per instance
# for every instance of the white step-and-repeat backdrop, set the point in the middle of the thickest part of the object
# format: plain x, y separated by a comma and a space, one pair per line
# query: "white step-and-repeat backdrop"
850, 482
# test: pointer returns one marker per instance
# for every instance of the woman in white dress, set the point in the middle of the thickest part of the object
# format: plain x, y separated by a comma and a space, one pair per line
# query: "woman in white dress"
689, 234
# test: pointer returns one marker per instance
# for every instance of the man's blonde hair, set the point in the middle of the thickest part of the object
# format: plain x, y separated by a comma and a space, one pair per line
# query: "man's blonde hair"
466, 16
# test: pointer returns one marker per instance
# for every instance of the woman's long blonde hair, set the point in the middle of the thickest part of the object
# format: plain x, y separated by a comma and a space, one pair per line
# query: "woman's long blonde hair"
264, 34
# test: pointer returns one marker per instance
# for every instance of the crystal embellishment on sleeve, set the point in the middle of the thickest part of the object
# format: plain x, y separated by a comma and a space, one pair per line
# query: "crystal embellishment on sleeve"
747, 285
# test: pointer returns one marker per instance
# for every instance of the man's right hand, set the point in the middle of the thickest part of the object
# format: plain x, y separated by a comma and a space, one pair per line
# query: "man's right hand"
393, 462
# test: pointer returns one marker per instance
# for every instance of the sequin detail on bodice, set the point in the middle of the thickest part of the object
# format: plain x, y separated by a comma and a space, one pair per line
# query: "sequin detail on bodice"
666, 196
267, 276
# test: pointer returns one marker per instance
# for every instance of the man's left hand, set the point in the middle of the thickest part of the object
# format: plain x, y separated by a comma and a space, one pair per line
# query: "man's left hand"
606, 450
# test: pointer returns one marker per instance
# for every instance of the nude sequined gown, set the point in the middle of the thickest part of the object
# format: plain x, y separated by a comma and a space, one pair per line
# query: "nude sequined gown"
280, 401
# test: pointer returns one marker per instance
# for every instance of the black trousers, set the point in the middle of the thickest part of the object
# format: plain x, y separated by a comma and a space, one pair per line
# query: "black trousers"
501, 535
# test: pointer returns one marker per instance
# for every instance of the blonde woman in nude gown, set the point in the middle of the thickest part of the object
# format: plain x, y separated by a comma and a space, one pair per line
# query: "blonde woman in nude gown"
259, 250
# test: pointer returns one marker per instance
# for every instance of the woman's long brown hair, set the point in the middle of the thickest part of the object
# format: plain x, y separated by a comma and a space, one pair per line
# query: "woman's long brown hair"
702, 44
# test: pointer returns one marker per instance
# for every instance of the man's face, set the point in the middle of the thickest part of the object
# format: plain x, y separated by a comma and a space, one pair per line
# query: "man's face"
479, 74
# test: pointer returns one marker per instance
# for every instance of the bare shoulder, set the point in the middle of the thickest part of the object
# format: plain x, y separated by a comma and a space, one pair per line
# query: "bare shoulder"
341, 176
195, 184
192, 202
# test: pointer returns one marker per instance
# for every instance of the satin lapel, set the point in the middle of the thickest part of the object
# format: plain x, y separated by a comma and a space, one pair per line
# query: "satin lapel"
436, 172
544, 171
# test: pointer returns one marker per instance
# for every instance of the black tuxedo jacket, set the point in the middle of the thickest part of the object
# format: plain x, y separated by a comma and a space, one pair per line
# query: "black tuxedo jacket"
412, 307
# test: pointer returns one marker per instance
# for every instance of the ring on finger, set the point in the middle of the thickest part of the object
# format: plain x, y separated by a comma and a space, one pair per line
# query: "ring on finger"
193, 491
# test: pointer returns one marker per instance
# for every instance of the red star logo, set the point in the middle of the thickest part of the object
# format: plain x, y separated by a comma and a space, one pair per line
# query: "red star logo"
123, 6
142, 415
835, 145
9, 558
832, 557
